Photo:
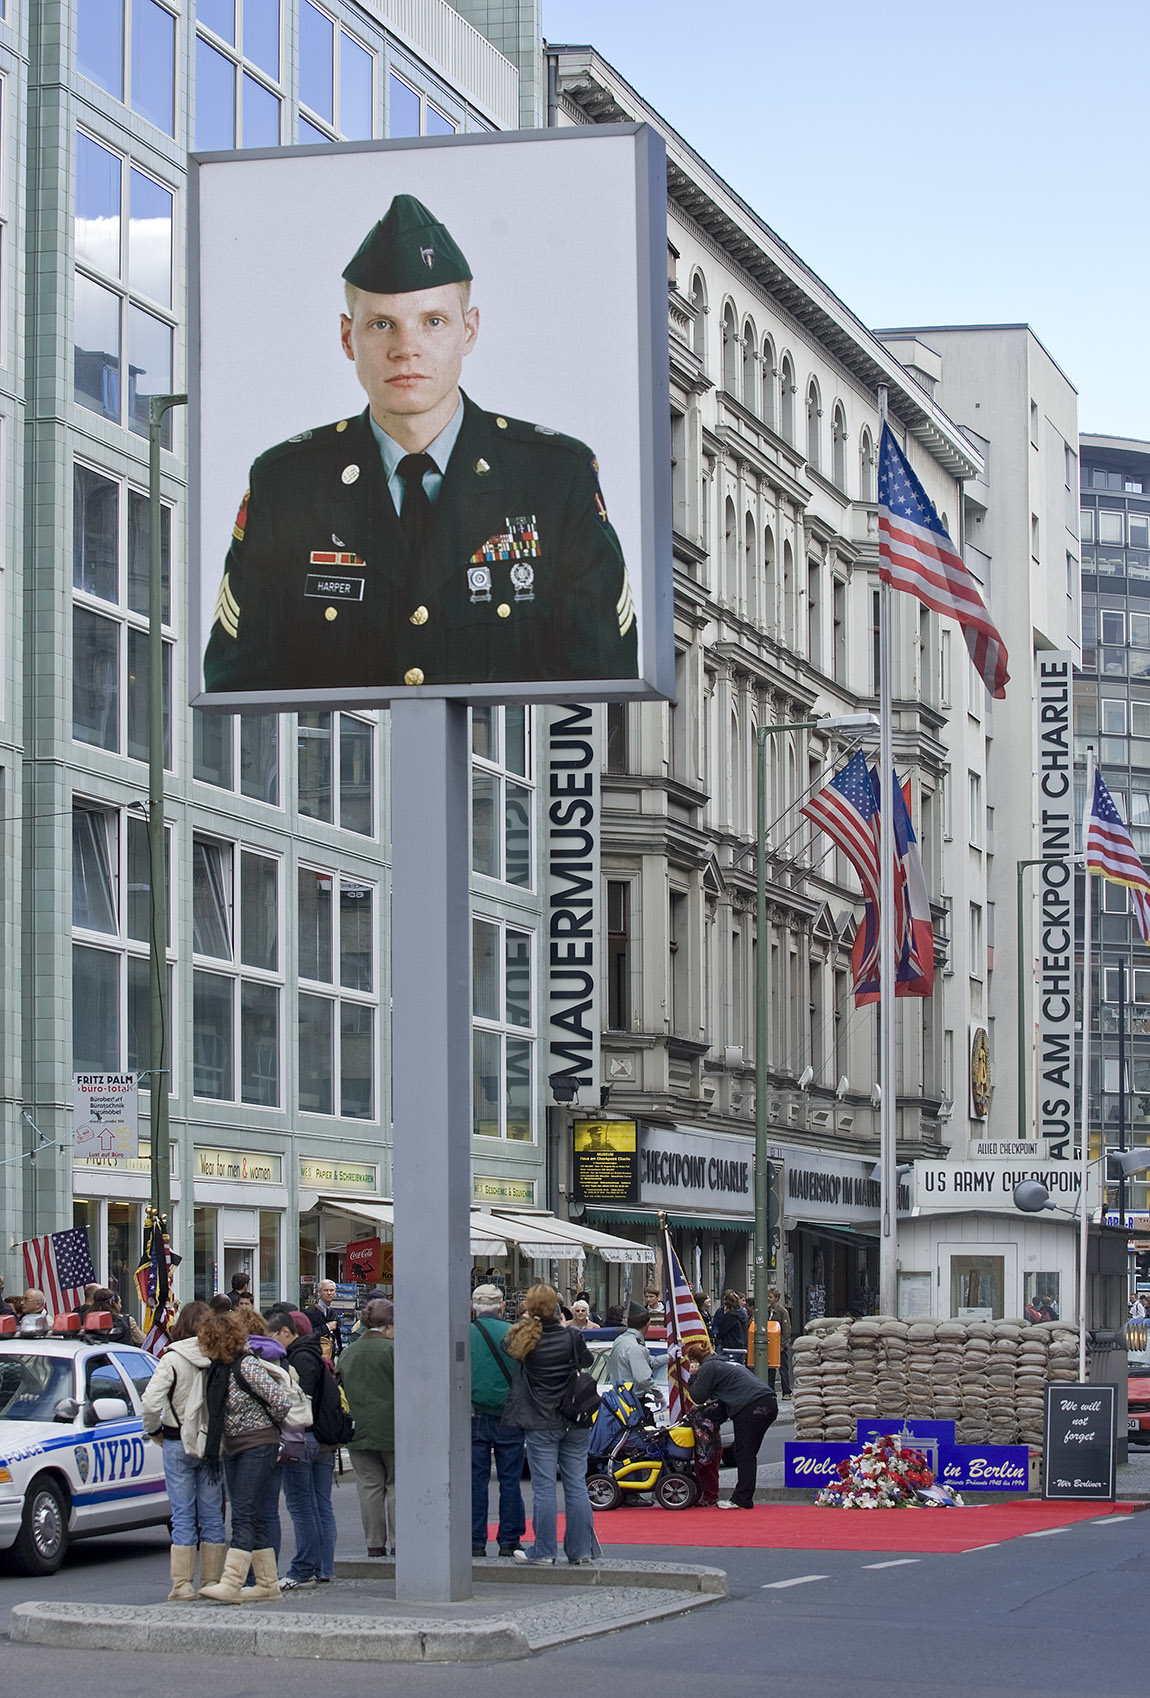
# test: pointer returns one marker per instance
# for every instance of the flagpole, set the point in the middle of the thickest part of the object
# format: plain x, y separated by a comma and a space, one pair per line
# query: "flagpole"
888, 1160
1084, 1119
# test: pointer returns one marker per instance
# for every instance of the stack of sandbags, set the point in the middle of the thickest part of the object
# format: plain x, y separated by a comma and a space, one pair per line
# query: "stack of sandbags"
1063, 1353
972, 1425
920, 1370
950, 1344
890, 1373
1030, 1383
838, 1394
862, 1382
1001, 1408
807, 1384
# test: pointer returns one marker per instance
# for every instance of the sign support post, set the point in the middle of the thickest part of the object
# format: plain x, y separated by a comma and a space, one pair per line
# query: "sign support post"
431, 1165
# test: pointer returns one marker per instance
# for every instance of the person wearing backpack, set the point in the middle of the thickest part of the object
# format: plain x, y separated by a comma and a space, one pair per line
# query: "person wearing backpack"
308, 1484
366, 1371
491, 1435
175, 1416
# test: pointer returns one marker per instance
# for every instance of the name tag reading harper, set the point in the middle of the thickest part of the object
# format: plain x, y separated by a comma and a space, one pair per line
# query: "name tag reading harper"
334, 586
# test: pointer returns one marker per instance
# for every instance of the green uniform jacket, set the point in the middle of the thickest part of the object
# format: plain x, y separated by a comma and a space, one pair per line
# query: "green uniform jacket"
367, 1374
522, 577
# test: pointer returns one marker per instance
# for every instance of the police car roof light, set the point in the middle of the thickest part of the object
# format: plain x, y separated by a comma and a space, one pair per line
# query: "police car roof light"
66, 1323
33, 1326
8, 1325
100, 1320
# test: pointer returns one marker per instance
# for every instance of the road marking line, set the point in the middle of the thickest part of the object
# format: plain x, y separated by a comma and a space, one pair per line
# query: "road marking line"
1110, 1521
899, 1562
1045, 1532
970, 1550
799, 1580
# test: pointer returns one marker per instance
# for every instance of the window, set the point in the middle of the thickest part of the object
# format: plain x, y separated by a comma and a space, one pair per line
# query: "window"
730, 352
123, 251
237, 980
769, 376
239, 79
503, 1031
839, 448
1086, 524
336, 80
977, 964
1110, 526
814, 615
814, 414
110, 582
244, 745
679, 487
866, 467
618, 738
1034, 535
787, 398
679, 963
839, 658
411, 113
1140, 719
974, 782
1034, 423
750, 368
618, 955
1113, 717
944, 669
501, 795
111, 935
147, 81
1138, 530
1113, 895
699, 327
337, 1018
339, 791
1113, 622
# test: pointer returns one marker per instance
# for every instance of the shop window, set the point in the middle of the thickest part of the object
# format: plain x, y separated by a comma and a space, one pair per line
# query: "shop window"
336, 80
206, 1280
238, 751
336, 784
144, 77
235, 999
110, 655
125, 1226
269, 1280
336, 1019
502, 795
1042, 1294
503, 1031
978, 1287
239, 89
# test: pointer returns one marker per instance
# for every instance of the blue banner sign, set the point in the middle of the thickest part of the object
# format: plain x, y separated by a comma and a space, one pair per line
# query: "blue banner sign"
966, 1467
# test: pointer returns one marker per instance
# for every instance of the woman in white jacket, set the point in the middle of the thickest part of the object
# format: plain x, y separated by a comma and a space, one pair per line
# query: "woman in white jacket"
175, 1415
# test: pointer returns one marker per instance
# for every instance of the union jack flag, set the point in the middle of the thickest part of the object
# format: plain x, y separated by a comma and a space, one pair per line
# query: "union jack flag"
1110, 851
685, 1326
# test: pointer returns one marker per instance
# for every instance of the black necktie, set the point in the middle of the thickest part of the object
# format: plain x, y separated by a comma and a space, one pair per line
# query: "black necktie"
416, 514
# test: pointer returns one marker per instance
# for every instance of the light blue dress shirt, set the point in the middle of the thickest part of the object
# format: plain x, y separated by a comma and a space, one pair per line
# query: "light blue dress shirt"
440, 451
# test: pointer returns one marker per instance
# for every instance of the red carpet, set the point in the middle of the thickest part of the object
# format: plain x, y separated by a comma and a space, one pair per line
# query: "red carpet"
802, 1527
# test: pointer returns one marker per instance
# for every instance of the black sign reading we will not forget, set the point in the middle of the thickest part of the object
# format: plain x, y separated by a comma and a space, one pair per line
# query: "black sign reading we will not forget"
1078, 1451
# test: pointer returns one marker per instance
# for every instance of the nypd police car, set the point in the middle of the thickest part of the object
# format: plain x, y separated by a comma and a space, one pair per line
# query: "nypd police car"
74, 1458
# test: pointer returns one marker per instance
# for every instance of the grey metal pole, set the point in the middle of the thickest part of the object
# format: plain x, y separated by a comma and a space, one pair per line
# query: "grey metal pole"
1020, 927
159, 1062
762, 1061
431, 1167
888, 1113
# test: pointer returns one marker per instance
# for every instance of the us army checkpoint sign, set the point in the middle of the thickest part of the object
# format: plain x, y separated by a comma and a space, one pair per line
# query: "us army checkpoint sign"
545, 573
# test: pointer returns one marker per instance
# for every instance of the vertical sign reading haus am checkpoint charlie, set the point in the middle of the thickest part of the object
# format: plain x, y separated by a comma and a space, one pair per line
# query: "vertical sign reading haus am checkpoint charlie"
1054, 934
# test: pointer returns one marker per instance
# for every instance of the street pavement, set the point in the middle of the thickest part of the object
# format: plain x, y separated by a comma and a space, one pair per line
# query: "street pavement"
1055, 1614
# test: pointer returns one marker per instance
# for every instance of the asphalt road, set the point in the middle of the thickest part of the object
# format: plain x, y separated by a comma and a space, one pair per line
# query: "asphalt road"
1056, 1614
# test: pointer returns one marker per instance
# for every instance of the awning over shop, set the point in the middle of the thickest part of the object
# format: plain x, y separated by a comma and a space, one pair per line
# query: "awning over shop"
380, 1211
539, 1236
579, 1238
701, 1223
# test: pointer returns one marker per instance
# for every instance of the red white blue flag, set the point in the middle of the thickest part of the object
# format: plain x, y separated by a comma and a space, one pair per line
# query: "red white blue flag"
917, 555
913, 928
60, 1265
1110, 851
847, 810
685, 1325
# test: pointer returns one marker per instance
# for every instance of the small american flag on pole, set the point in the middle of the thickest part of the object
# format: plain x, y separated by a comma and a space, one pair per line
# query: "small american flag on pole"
685, 1325
60, 1265
847, 810
916, 554
1110, 851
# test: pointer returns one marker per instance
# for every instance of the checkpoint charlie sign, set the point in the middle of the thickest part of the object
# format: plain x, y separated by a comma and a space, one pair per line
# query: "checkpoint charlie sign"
1054, 934
942, 1187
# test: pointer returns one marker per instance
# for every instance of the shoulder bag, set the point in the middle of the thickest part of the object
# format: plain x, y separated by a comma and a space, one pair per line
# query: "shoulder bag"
580, 1400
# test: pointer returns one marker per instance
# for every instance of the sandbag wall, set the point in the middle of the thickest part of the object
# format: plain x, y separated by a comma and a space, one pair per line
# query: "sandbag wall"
985, 1376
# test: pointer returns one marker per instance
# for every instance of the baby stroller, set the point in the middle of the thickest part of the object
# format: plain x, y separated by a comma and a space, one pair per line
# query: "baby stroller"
633, 1451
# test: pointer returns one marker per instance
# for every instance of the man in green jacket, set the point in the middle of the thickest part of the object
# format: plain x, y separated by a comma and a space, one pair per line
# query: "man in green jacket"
491, 1436
367, 1375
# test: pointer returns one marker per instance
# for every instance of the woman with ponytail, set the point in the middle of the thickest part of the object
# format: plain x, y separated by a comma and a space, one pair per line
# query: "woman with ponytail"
547, 1351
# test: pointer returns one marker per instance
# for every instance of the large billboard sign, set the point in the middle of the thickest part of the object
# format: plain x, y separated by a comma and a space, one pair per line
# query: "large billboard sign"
429, 421
1054, 940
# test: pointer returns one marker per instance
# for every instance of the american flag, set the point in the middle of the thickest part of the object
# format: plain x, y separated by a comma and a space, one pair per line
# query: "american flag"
917, 555
847, 810
685, 1324
1111, 852
60, 1265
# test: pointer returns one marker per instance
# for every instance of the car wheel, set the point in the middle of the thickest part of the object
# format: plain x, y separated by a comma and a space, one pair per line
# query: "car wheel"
42, 1542
676, 1491
603, 1491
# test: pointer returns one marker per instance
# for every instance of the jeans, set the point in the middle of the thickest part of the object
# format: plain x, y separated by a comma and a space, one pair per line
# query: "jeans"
197, 1500
248, 1474
307, 1491
750, 1425
561, 1448
491, 1437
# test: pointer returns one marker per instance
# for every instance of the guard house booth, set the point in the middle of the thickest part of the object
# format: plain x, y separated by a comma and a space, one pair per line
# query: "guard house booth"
967, 1253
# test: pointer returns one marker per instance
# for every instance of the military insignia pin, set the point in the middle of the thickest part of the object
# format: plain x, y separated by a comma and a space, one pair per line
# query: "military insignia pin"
479, 582
349, 474
600, 507
242, 517
427, 255
524, 537
523, 581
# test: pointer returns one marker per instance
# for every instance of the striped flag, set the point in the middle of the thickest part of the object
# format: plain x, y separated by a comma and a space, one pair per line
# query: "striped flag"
917, 555
685, 1326
1110, 851
847, 810
913, 927
60, 1265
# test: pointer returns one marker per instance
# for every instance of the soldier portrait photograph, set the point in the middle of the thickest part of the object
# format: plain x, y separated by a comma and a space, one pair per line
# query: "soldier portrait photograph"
429, 536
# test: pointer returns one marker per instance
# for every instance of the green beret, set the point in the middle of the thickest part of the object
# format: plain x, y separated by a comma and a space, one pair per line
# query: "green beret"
408, 249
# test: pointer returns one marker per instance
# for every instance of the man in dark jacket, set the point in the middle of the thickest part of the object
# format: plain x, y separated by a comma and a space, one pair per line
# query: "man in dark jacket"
367, 1374
307, 1484
324, 1317
491, 1436
751, 1405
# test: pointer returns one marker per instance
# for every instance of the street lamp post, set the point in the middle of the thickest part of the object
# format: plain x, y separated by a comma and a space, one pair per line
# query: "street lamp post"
842, 722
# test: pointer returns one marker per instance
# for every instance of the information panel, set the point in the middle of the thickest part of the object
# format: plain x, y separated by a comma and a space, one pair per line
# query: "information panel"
606, 1161
1078, 1450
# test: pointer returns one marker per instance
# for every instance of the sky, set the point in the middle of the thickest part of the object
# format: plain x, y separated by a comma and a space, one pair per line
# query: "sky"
933, 164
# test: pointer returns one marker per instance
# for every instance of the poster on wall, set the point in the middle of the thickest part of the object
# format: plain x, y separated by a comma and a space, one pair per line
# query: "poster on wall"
606, 1161
105, 1116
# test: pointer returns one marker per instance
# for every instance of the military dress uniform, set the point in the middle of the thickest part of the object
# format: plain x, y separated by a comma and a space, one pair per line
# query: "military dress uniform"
521, 576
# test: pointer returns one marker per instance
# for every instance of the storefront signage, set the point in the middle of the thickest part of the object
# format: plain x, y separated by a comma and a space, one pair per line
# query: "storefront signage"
833, 1188
1078, 1449
338, 1175
241, 1167
362, 1260
503, 1190
606, 1161
572, 917
1054, 941
123, 1164
704, 1170
941, 1187
105, 1115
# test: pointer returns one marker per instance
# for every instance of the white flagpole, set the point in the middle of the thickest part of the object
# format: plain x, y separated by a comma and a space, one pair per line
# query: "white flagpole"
888, 1157
1084, 1118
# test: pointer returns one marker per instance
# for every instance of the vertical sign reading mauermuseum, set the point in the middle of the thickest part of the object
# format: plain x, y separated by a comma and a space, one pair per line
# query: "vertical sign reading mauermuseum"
571, 918
1054, 943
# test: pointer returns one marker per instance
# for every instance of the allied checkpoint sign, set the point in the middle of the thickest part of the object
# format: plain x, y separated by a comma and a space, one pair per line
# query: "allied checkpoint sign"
966, 1467
543, 573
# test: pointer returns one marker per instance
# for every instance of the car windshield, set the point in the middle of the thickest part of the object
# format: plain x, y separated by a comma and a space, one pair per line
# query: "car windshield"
32, 1386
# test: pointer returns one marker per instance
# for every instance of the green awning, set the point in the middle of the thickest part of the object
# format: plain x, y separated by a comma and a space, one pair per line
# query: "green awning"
702, 1223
